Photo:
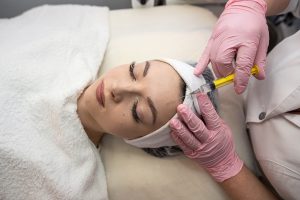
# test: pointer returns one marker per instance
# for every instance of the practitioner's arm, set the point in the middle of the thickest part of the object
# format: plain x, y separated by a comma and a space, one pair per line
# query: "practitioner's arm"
210, 144
246, 186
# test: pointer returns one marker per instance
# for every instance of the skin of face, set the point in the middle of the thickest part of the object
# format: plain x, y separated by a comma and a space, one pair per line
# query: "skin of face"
122, 90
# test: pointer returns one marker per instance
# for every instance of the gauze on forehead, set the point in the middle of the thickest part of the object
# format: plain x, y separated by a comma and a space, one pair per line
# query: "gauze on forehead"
161, 137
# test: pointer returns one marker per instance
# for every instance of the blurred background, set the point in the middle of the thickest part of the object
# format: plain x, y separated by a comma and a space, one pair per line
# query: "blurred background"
279, 26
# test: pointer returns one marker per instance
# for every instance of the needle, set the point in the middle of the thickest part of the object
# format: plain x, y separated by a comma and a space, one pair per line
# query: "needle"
208, 87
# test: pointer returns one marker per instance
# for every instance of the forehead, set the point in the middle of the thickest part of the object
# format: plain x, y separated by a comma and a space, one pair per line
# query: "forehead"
164, 88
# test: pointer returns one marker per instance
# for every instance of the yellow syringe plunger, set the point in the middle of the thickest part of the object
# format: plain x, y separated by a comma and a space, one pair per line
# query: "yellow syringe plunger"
229, 79
221, 82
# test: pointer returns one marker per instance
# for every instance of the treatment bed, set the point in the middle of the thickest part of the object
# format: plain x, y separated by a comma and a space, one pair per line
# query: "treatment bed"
179, 32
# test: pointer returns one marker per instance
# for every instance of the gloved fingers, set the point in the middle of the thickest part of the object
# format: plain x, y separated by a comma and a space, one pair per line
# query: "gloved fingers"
210, 115
261, 54
244, 63
204, 60
190, 143
223, 59
193, 123
180, 143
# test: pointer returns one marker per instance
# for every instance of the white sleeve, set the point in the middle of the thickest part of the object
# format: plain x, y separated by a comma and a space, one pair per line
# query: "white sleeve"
294, 7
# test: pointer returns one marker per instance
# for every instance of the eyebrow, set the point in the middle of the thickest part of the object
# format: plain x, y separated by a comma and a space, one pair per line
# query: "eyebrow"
153, 109
147, 66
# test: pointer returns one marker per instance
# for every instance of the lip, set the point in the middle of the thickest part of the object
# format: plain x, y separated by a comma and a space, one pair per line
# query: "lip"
100, 94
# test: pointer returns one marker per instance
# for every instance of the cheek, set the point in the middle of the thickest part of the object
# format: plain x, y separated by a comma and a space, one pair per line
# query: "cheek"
119, 124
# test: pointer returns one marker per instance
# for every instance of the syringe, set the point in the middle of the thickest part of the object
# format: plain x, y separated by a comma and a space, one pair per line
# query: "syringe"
208, 87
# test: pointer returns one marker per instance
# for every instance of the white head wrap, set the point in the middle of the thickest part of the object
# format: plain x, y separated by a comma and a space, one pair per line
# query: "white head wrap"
161, 137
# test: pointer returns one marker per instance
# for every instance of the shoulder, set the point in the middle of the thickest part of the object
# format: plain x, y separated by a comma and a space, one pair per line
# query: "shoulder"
275, 143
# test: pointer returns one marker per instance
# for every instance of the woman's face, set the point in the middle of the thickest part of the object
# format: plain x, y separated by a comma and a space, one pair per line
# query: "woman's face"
133, 100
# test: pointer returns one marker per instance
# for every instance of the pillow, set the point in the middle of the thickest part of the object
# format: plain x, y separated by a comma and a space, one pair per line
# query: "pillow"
179, 32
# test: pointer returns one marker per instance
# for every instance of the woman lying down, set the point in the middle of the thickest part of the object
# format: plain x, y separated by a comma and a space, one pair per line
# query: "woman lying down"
58, 157
136, 101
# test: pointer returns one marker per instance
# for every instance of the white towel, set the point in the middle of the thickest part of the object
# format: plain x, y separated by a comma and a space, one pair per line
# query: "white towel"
48, 55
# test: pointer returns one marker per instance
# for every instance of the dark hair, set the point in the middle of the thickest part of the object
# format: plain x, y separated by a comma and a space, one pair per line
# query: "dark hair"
175, 150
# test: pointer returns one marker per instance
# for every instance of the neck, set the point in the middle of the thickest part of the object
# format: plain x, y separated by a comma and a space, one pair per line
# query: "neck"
94, 136
88, 122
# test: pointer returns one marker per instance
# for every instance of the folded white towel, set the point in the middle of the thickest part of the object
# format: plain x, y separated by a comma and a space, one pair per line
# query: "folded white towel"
48, 55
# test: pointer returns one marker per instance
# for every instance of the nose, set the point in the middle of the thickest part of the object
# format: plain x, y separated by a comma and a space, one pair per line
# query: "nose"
124, 91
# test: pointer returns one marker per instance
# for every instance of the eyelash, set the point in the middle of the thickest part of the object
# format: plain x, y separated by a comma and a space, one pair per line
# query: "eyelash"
133, 109
134, 113
131, 68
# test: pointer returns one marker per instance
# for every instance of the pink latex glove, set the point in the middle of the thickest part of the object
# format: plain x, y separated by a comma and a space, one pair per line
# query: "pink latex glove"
209, 143
241, 34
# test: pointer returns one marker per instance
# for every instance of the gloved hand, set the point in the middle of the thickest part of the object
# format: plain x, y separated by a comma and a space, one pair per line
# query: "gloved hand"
210, 144
241, 33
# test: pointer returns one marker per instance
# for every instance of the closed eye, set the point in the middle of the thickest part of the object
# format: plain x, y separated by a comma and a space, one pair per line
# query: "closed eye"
131, 68
134, 113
